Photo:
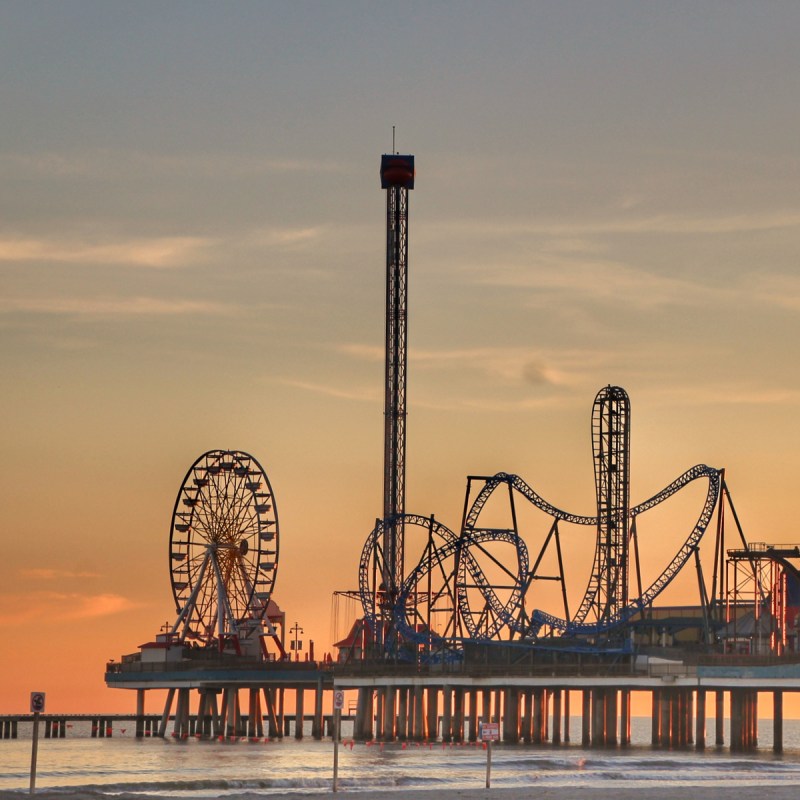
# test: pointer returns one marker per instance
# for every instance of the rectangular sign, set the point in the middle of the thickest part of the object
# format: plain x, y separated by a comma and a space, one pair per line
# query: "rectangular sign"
37, 702
490, 731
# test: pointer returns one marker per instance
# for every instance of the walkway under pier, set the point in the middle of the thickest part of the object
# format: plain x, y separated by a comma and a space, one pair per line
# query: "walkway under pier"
538, 710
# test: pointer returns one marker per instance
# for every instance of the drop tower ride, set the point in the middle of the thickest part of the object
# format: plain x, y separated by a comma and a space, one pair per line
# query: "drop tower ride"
397, 178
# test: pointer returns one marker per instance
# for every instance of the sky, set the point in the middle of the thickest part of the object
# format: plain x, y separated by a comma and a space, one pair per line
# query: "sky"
192, 258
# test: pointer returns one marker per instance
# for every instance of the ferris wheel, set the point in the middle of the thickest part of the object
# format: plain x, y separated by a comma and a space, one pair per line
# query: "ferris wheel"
223, 549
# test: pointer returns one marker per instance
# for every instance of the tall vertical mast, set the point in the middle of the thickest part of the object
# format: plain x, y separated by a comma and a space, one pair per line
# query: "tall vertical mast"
397, 178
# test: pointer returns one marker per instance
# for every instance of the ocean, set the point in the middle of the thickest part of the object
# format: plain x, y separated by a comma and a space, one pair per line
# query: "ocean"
203, 769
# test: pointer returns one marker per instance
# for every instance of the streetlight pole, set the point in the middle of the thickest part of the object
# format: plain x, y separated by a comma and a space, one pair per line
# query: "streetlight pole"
297, 644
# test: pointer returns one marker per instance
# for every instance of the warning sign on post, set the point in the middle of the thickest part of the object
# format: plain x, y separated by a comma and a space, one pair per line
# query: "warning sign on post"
37, 702
490, 731
338, 699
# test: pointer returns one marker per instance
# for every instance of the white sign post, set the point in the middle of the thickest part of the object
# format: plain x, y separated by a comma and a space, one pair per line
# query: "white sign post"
338, 705
489, 732
37, 707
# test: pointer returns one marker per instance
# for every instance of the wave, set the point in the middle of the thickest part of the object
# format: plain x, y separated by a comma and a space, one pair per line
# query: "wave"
229, 787
192, 786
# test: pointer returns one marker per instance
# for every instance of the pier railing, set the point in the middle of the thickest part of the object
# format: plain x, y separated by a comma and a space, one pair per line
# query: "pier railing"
363, 668
214, 662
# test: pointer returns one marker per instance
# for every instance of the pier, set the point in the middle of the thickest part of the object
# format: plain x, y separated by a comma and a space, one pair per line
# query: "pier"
395, 703
57, 726
534, 703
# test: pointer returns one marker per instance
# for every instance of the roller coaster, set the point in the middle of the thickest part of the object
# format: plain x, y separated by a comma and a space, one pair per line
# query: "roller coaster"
486, 584
482, 583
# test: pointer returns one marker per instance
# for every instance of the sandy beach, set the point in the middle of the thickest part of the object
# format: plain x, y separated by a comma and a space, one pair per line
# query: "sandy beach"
788, 792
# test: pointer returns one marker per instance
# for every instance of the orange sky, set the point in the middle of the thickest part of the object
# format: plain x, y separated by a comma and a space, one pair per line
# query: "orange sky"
191, 257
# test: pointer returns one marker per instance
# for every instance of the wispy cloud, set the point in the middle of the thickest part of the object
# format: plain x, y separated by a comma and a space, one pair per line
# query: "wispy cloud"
721, 394
614, 225
50, 573
475, 403
504, 379
52, 607
511, 364
362, 352
514, 364
109, 306
777, 289
607, 281
601, 280
286, 237
155, 252
366, 394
